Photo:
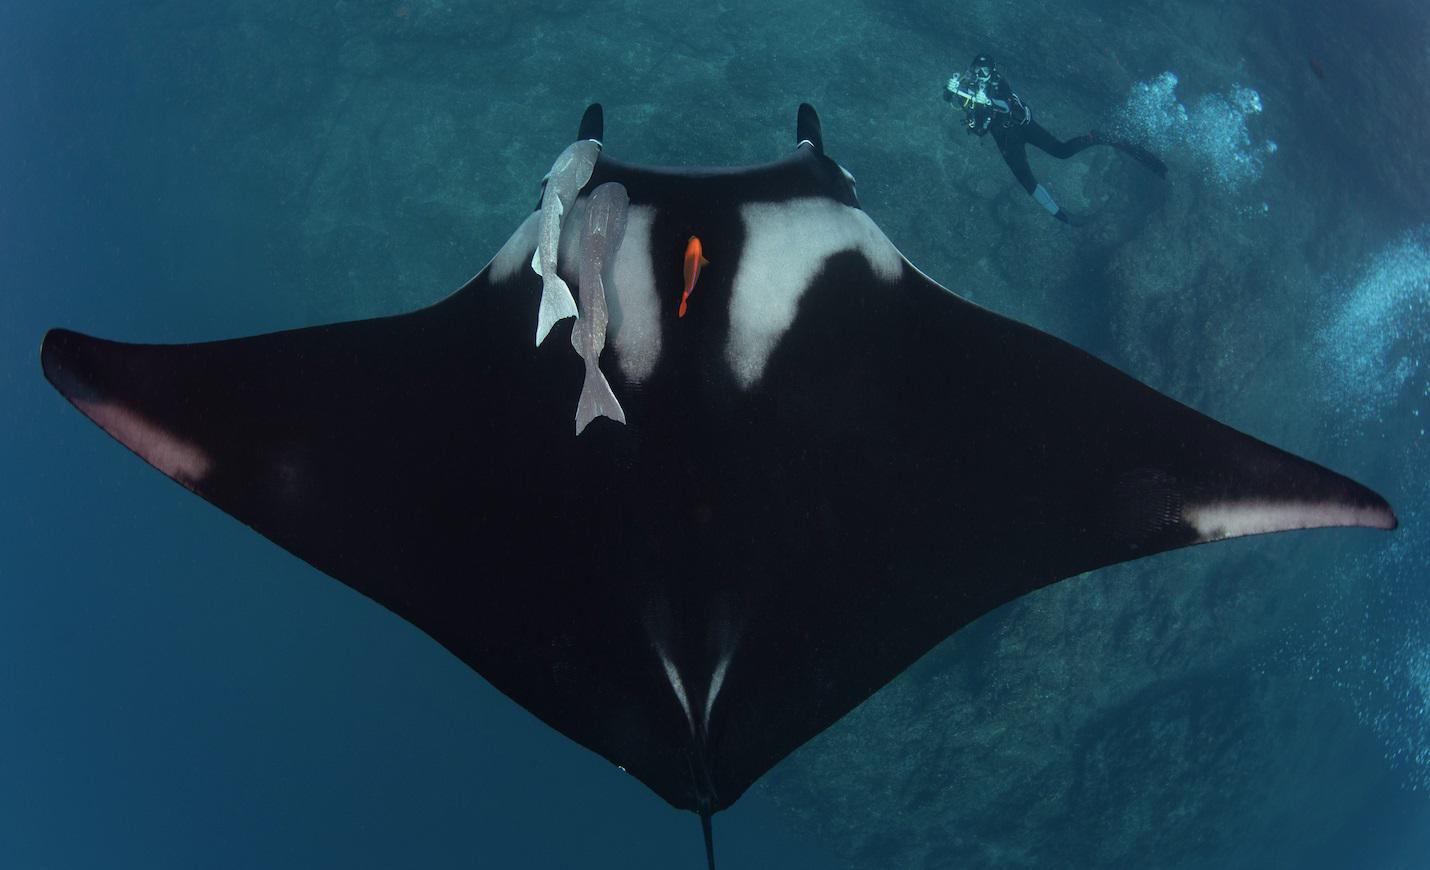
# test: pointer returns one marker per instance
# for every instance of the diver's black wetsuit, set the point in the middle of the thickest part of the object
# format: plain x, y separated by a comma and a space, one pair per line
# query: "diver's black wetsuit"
1013, 128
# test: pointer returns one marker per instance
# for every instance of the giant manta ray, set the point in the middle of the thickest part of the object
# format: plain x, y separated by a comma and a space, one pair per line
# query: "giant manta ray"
690, 543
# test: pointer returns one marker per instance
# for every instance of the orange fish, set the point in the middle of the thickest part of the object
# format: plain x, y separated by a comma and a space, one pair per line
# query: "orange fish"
694, 259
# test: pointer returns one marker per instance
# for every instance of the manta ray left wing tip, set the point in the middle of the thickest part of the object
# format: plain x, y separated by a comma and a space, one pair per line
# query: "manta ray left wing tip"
67, 359
88, 372
49, 362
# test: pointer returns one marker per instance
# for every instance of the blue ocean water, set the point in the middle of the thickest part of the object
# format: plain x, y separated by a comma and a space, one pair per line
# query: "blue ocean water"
179, 692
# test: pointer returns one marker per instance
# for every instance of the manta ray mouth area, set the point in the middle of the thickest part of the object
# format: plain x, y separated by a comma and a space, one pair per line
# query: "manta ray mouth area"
690, 544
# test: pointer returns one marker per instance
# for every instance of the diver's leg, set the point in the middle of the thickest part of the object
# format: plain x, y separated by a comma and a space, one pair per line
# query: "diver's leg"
1038, 137
1010, 145
1136, 152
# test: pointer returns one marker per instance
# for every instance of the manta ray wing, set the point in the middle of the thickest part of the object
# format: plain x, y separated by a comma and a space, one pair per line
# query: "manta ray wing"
938, 461
828, 466
400, 456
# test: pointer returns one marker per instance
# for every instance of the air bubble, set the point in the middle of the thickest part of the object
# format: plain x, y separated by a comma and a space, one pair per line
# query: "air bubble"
1213, 133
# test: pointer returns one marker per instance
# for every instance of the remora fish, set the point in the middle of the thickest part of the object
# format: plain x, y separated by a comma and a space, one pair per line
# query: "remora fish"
568, 175
605, 226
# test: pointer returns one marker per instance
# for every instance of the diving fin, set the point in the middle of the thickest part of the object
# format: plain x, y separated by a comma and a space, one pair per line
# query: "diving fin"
1143, 156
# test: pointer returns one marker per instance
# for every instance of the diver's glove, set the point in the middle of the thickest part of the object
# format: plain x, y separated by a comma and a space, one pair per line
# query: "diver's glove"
956, 89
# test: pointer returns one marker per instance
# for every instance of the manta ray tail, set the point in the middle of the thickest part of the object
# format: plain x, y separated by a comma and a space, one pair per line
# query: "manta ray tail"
709, 839
597, 400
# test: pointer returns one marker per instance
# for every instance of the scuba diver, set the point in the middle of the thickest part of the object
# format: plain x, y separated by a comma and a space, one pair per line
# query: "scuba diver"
992, 107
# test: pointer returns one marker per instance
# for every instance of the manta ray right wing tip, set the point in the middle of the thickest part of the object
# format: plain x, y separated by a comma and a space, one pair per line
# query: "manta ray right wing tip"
1222, 519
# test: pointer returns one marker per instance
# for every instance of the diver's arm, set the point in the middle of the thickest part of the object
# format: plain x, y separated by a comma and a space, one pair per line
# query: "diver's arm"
1000, 96
972, 96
